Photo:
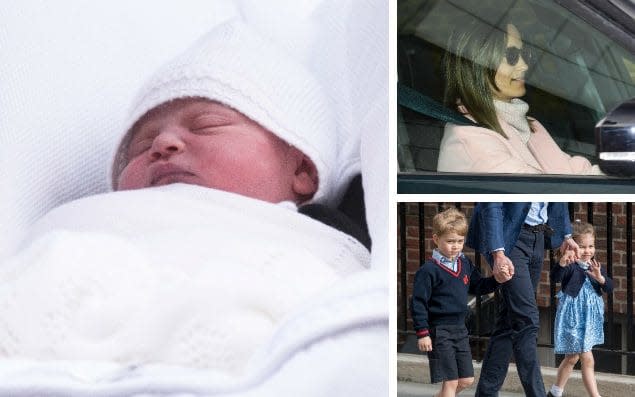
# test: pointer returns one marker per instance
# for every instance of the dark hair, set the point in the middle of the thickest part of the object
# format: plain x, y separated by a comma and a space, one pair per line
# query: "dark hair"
473, 55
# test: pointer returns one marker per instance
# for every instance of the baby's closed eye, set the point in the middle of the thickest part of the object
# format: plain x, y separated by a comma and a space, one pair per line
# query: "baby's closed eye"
209, 129
209, 124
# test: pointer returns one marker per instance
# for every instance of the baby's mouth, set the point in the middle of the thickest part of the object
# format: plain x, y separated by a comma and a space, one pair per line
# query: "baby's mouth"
166, 174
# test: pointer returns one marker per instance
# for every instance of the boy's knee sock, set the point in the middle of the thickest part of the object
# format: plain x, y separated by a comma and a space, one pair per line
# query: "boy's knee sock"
556, 391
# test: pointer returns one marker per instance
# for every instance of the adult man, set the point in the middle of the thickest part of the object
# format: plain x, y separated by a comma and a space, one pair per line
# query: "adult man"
516, 235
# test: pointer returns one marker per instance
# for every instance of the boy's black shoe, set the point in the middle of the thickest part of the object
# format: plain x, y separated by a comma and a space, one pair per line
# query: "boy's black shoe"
549, 394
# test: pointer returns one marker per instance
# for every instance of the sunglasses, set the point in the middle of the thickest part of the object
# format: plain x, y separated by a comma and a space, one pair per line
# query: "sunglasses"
513, 54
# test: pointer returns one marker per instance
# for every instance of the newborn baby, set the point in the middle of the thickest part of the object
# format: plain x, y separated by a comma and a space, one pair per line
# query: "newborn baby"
235, 113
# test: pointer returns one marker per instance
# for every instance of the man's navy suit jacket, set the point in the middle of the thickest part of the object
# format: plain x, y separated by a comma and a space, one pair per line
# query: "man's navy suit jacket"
497, 225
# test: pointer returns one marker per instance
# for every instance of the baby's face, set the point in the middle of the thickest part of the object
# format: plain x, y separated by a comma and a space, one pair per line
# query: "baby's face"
200, 142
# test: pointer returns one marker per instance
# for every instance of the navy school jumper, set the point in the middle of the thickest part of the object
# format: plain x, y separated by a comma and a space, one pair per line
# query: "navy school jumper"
439, 295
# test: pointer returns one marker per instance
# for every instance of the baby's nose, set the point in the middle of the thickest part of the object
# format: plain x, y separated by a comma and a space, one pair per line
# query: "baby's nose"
166, 144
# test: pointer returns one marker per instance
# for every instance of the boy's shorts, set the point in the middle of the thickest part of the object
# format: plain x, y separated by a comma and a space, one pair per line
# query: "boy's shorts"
451, 357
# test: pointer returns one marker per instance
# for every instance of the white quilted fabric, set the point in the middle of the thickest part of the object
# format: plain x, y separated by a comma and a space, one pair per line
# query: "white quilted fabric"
316, 352
180, 275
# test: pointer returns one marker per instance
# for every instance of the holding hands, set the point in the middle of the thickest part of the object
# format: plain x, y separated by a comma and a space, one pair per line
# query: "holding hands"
503, 268
569, 244
568, 257
569, 252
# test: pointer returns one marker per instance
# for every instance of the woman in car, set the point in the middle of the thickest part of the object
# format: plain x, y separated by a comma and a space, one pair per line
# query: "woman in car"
485, 79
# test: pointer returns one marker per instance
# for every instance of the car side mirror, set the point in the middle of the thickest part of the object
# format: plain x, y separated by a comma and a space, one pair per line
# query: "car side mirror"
615, 140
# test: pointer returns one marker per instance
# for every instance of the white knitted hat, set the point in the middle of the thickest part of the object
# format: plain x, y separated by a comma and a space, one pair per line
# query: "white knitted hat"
234, 65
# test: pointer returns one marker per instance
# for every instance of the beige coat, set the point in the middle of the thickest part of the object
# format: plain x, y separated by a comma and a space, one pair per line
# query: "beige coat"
481, 150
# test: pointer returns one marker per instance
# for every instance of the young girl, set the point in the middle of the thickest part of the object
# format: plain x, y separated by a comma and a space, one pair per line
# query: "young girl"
580, 315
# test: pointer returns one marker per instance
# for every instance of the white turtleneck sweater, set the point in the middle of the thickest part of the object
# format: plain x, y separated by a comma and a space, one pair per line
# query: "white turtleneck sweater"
515, 114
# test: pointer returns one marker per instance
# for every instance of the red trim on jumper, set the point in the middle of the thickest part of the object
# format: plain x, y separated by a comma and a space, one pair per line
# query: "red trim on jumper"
447, 269
422, 332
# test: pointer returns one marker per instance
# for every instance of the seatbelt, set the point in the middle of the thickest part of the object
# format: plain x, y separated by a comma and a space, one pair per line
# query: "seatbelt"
416, 101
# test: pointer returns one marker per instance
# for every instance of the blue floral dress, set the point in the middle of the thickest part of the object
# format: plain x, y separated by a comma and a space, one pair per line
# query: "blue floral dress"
579, 321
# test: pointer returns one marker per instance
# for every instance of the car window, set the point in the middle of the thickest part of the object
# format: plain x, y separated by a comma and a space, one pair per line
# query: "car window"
578, 73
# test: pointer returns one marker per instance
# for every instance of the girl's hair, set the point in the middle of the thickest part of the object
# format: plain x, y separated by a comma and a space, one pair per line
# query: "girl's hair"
580, 228
473, 55
449, 221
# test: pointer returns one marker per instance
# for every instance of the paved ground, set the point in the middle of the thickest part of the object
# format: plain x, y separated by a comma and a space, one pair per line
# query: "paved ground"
413, 375
411, 389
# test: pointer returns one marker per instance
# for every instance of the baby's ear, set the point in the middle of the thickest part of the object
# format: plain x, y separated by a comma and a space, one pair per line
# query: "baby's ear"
305, 178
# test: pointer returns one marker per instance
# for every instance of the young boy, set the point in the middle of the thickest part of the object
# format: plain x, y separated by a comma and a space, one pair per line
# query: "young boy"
439, 303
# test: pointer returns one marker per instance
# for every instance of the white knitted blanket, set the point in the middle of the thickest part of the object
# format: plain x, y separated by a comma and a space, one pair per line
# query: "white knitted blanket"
334, 345
177, 275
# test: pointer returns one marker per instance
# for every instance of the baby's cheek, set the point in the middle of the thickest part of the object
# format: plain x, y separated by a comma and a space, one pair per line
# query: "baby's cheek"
132, 177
